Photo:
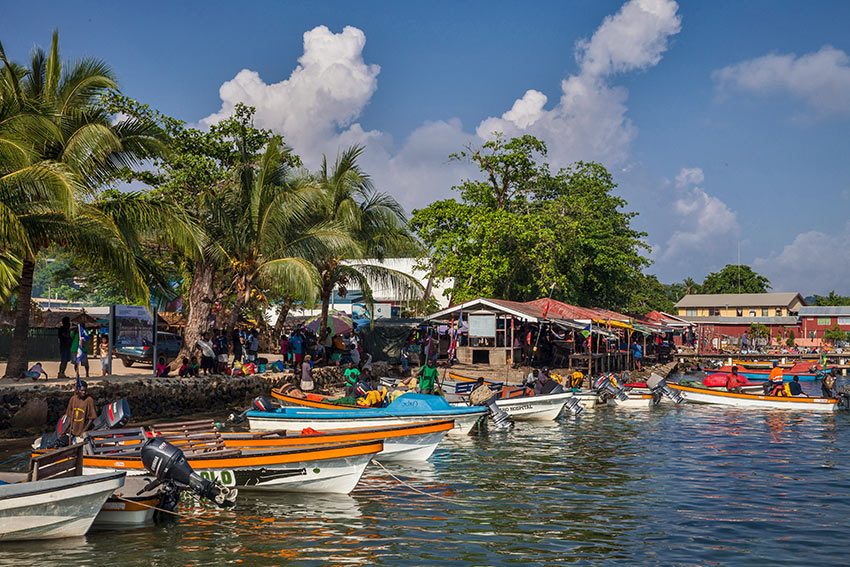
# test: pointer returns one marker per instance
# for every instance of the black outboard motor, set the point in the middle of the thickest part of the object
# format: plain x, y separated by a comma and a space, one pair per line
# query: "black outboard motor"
484, 396
59, 437
607, 387
658, 386
840, 389
573, 406
169, 465
259, 403
114, 416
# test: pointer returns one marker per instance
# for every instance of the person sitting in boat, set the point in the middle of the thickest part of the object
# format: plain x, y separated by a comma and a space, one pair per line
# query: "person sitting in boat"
80, 411
774, 381
531, 378
428, 377
794, 387
352, 376
734, 381
827, 385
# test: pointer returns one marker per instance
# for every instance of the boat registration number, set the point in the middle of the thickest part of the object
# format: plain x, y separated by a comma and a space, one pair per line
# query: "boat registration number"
224, 476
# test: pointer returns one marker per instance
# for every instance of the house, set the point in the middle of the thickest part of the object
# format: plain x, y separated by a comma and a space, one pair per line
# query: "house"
815, 320
707, 308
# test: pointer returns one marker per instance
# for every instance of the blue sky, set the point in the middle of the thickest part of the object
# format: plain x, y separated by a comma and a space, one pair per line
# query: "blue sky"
726, 124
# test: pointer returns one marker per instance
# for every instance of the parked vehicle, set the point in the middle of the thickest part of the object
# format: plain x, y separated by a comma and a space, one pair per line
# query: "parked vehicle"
168, 345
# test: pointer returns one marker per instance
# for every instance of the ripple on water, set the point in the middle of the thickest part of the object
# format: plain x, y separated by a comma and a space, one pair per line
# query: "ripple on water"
672, 486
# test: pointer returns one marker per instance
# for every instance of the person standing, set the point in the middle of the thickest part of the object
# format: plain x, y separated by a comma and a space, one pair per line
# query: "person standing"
253, 345
428, 377
103, 352
207, 353
78, 350
236, 341
80, 410
222, 350
297, 345
64, 346
306, 375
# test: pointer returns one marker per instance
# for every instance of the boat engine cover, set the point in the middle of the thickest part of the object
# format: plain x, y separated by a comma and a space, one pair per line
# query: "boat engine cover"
114, 415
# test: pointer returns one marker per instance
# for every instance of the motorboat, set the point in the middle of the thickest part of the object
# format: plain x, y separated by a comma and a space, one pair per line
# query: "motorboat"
804, 371
701, 395
407, 408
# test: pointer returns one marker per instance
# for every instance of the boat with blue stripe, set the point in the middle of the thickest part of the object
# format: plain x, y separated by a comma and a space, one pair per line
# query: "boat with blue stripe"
406, 408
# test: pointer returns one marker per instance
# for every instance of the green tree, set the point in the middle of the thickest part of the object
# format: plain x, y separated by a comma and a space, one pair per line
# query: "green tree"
59, 147
831, 299
789, 342
759, 330
375, 224
834, 333
521, 228
735, 279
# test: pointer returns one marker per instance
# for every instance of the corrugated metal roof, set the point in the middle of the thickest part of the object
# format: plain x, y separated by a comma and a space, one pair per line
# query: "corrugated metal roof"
825, 311
744, 320
779, 299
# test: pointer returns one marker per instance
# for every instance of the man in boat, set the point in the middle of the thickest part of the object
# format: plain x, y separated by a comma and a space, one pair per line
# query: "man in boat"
827, 385
734, 381
795, 388
80, 410
428, 377
352, 376
774, 381
531, 378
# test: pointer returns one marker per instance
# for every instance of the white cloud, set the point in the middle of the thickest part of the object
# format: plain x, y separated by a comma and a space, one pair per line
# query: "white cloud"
706, 225
814, 262
326, 92
316, 108
820, 79
689, 176
589, 122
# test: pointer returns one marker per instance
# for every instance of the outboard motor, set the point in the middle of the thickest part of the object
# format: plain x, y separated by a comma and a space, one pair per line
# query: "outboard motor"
113, 416
658, 386
573, 406
607, 387
59, 438
484, 396
169, 465
259, 403
841, 389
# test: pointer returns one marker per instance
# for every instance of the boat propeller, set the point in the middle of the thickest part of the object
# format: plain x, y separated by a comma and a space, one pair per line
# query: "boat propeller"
169, 466
658, 386
484, 396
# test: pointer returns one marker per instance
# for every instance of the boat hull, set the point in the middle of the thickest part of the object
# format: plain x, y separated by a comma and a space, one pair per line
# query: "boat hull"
755, 401
53, 509
635, 401
546, 407
269, 421
320, 468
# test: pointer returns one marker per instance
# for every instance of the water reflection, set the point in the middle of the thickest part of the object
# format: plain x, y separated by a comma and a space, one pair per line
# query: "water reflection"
693, 485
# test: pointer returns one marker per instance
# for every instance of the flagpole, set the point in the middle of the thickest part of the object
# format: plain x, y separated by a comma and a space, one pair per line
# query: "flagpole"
540, 325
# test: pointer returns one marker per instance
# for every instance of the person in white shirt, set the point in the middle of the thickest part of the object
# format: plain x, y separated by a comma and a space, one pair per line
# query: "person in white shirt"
207, 353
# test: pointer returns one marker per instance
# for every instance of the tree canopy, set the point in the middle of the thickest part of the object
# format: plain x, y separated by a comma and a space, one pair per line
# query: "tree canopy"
521, 228
735, 279
831, 299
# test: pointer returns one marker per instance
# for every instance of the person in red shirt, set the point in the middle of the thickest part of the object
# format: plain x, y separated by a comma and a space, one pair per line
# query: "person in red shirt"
734, 381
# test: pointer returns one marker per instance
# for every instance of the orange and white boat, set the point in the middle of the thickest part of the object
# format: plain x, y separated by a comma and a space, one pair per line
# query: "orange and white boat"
331, 468
757, 401
403, 442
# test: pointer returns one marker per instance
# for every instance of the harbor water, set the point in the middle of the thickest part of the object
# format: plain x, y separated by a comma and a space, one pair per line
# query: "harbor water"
692, 485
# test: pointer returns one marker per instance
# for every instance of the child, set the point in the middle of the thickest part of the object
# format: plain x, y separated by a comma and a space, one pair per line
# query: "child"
161, 368
194, 367
103, 351
185, 369
34, 372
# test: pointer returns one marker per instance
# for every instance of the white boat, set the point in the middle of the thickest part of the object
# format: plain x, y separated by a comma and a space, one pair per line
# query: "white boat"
541, 407
635, 400
717, 397
54, 508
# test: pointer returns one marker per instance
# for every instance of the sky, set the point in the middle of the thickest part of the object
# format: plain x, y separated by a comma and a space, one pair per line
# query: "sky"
726, 124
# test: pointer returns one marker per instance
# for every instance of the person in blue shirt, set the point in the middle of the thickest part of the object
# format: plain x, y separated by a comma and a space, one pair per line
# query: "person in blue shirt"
637, 352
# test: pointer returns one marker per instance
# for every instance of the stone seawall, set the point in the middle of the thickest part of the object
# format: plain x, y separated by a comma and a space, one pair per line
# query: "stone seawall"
36, 409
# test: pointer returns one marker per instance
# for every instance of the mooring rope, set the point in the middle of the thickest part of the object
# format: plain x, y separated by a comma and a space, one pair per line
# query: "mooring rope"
186, 516
413, 488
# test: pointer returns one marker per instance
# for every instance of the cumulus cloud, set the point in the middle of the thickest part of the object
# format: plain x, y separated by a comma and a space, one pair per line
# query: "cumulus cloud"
814, 262
706, 225
820, 79
325, 93
317, 107
589, 121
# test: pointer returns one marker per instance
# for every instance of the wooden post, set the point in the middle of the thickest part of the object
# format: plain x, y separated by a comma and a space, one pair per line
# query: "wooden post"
590, 353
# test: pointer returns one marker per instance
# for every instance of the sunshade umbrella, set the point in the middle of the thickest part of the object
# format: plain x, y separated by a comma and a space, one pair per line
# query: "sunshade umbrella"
338, 322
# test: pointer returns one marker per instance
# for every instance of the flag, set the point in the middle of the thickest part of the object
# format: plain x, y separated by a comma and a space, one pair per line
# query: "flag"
82, 337
585, 332
546, 309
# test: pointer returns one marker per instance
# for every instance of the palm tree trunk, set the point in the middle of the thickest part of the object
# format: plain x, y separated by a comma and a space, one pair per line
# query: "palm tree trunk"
200, 307
242, 291
18, 356
281, 318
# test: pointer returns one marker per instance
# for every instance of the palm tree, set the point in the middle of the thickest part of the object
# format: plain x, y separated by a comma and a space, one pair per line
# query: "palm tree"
374, 221
60, 147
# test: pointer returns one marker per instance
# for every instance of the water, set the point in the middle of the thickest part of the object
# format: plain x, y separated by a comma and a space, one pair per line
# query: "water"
695, 485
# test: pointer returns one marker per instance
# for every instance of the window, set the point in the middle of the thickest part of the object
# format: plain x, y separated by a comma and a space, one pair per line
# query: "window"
714, 311
739, 312
764, 313
779, 312
752, 312
691, 313
844, 321
824, 320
